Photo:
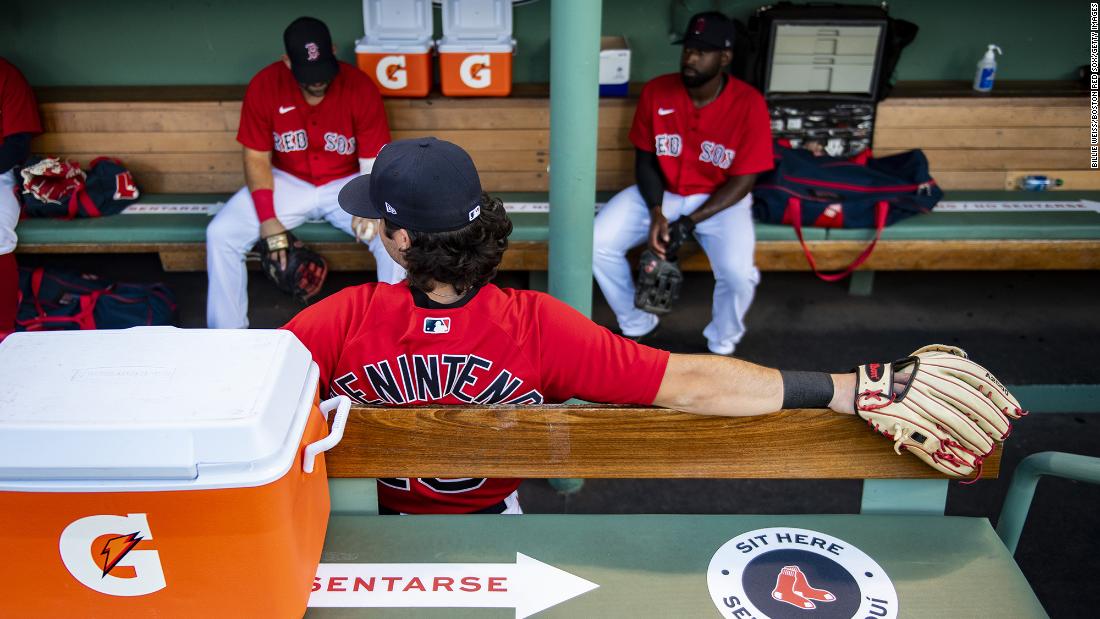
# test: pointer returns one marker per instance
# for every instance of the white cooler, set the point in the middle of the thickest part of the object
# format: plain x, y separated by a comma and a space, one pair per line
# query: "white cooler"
161, 472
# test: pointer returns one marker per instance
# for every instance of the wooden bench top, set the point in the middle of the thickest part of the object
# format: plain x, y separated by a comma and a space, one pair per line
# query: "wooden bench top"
657, 566
610, 441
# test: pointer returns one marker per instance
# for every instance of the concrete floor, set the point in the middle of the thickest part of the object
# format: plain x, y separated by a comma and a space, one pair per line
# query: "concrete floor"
1027, 327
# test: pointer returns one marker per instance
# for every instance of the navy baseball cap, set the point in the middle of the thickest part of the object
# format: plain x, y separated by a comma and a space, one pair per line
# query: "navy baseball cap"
421, 184
710, 30
309, 47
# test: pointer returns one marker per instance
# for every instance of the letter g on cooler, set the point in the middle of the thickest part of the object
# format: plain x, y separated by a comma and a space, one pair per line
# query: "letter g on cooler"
475, 72
80, 557
391, 72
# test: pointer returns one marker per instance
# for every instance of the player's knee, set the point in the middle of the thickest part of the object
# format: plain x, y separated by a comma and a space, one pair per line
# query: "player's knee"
737, 274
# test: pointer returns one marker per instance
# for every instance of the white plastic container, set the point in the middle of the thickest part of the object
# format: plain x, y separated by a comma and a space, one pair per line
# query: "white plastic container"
395, 50
614, 66
475, 53
161, 472
987, 70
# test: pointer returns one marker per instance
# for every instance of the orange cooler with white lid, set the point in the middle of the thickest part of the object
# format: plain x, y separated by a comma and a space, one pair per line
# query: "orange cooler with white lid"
160, 472
475, 53
396, 48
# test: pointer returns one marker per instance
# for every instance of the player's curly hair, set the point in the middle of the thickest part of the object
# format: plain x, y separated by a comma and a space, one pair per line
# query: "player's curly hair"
465, 258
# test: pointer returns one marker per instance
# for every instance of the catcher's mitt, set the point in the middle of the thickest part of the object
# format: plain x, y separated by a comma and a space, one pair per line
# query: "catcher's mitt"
52, 180
659, 280
305, 269
951, 412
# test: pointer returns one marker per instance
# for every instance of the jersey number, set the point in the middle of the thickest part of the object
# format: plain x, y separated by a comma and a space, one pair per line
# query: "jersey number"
444, 486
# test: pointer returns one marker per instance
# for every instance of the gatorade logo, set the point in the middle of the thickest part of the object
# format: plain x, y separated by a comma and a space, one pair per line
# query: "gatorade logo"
99, 551
391, 72
474, 71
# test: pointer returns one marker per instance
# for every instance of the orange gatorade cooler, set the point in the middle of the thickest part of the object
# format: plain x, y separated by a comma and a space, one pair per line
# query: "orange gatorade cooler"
160, 472
396, 49
475, 53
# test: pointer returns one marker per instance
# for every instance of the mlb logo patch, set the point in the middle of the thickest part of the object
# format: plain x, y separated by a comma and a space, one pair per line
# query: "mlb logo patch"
437, 325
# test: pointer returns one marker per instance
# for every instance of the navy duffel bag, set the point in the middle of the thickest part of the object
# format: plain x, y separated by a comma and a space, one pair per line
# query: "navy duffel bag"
831, 192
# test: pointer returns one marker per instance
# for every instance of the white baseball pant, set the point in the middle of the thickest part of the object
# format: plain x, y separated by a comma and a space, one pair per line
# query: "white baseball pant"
9, 212
236, 228
727, 238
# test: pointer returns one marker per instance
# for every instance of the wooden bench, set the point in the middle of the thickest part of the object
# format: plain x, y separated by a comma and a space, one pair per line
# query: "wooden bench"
657, 565
181, 141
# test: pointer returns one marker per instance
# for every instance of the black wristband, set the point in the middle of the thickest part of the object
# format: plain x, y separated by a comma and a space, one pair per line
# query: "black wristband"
806, 389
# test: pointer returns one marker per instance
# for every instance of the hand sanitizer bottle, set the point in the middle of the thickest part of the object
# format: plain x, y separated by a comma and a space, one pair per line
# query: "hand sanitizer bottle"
987, 70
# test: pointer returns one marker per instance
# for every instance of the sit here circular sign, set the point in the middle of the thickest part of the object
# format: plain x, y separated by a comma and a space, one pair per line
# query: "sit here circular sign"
789, 573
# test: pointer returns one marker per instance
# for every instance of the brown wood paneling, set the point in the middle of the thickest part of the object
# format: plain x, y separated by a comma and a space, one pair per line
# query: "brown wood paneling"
962, 137
979, 159
916, 113
599, 442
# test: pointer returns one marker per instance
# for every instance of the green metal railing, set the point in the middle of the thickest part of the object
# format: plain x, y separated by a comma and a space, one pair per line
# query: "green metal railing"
1026, 478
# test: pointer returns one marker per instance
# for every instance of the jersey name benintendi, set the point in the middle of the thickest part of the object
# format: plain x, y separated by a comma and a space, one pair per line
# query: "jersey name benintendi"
420, 379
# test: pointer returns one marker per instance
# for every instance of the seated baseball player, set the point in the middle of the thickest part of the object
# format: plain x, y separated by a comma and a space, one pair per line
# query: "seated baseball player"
19, 122
309, 124
448, 336
701, 137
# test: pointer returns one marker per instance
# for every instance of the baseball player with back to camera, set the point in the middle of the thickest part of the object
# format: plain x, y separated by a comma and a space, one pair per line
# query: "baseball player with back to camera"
309, 124
448, 336
700, 137
19, 122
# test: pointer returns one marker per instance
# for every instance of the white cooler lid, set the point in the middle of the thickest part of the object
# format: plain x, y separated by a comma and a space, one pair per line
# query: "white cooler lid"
392, 22
466, 21
151, 408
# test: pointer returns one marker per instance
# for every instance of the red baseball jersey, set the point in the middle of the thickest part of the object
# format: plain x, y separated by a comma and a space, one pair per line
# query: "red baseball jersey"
700, 148
387, 345
18, 108
317, 143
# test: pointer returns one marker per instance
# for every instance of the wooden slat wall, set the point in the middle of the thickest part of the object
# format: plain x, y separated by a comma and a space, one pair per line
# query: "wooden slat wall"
190, 146
608, 441
986, 143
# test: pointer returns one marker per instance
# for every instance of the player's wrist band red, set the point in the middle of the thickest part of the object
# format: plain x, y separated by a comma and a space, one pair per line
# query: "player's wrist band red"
264, 201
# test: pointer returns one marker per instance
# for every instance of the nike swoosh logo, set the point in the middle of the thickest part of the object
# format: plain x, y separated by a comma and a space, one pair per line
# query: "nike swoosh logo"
284, 110
664, 112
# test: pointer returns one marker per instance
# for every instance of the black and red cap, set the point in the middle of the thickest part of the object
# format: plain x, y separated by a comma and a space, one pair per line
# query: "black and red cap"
309, 47
710, 30
422, 184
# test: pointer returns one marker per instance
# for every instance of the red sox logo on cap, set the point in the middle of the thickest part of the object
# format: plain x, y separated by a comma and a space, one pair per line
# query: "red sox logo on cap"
313, 52
700, 25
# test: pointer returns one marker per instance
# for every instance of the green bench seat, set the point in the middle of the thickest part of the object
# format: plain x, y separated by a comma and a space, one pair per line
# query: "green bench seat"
657, 566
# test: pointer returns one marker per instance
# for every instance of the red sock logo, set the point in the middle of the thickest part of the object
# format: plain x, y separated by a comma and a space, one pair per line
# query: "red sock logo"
792, 587
803, 588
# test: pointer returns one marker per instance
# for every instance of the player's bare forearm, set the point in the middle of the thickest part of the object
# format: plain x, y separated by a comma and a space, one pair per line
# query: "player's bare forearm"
257, 169
731, 192
714, 385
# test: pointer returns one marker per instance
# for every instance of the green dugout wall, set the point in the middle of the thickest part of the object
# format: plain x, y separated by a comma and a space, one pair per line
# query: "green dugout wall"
140, 42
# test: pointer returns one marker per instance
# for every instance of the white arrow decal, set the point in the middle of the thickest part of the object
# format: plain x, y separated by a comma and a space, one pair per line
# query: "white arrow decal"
528, 585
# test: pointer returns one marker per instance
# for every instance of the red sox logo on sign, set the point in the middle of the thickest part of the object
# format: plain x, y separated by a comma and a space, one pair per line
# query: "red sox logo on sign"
125, 188
788, 573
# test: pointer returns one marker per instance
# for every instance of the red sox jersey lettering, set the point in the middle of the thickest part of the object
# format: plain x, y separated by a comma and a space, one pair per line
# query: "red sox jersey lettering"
384, 345
698, 149
317, 143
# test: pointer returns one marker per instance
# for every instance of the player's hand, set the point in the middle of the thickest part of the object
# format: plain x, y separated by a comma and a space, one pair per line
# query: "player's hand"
364, 228
271, 227
658, 232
